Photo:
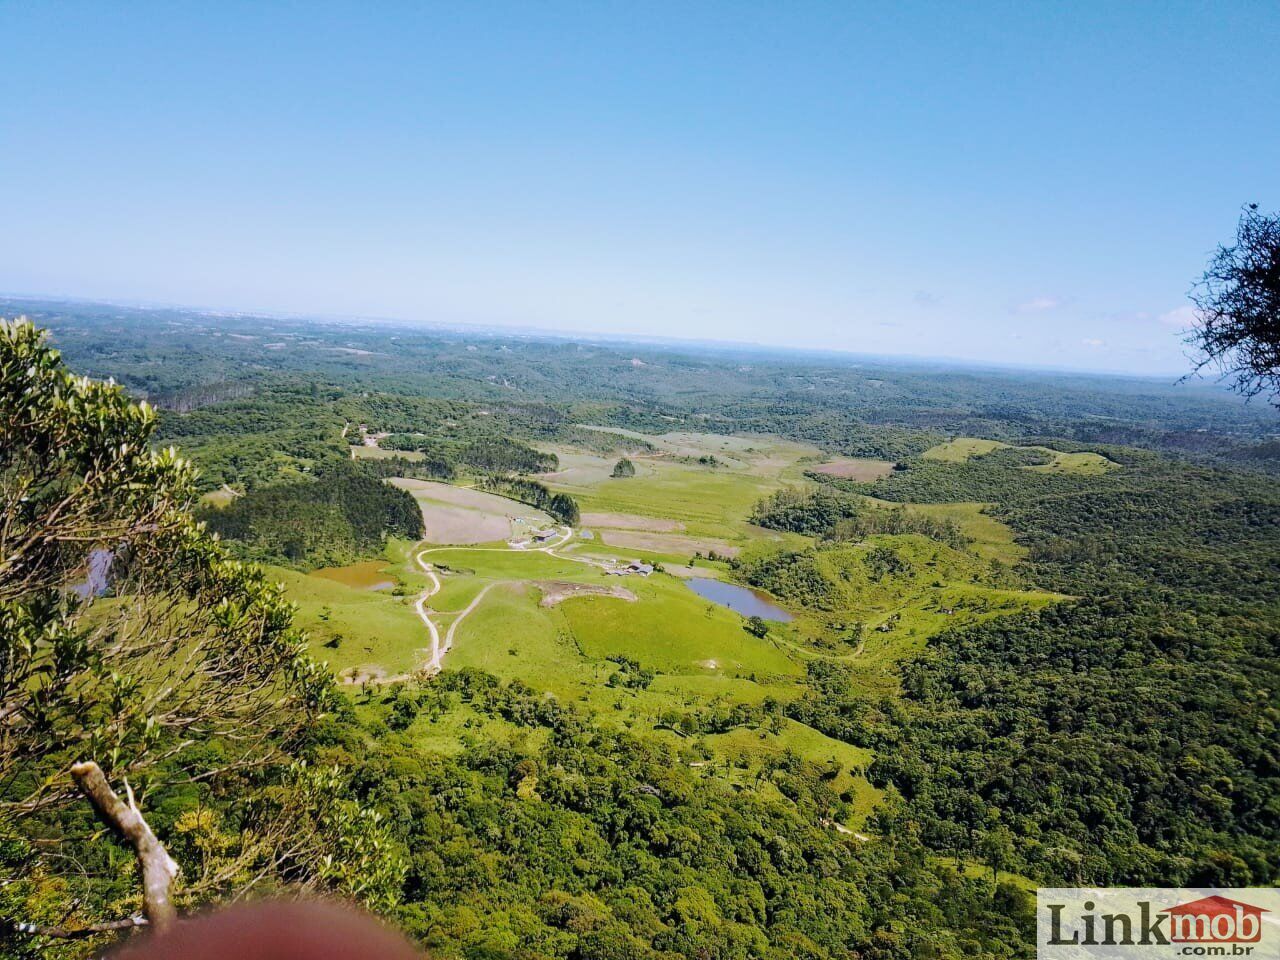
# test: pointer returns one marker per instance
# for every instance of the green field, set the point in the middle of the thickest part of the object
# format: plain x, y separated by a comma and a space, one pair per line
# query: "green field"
1084, 462
373, 632
219, 498
992, 539
700, 655
673, 630
706, 501
963, 448
512, 638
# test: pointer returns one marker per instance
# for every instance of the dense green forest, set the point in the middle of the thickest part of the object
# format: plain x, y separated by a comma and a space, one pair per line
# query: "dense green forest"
341, 514
831, 514
1126, 737
593, 845
459, 385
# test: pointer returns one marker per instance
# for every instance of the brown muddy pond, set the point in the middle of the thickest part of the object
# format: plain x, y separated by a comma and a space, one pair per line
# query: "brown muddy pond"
366, 575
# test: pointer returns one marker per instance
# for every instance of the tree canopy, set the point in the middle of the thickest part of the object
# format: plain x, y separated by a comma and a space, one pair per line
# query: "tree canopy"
128, 636
1237, 327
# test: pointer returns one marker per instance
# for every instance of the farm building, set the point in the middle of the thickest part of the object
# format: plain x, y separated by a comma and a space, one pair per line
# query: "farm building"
635, 566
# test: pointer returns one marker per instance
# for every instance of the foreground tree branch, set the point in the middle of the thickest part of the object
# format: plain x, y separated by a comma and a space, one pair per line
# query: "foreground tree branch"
158, 868
76, 933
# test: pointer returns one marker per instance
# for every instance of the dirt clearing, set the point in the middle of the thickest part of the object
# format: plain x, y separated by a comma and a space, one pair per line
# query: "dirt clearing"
856, 468
554, 591
459, 515
665, 543
630, 521
445, 524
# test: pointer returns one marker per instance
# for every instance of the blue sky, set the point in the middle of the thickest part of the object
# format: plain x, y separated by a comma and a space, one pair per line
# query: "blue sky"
1025, 183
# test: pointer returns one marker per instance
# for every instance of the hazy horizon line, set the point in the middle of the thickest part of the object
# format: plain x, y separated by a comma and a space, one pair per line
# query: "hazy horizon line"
1189, 375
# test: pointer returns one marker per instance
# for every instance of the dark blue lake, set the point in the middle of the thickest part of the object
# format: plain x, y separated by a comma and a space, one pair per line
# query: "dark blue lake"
743, 600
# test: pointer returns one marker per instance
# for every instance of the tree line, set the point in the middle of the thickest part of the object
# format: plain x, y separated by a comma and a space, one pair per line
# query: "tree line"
561, 506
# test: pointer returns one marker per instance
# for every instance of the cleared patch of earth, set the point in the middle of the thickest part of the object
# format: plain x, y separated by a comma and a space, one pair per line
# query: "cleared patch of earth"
580, 469
630, 521
459, 515
555, 591
445, 524
369, 672
664, 543
464, 497
856, 468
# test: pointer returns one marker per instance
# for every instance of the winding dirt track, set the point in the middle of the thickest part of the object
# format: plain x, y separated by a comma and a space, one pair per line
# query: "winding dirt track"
442, 645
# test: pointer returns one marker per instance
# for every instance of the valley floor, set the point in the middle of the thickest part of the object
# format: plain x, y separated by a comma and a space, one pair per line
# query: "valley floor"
552, 616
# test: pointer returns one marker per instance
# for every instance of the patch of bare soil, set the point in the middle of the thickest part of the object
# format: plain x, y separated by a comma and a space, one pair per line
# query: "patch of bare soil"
554, 591
856, 468
442, 524
460, 515
371, 673
630, 521
665, 543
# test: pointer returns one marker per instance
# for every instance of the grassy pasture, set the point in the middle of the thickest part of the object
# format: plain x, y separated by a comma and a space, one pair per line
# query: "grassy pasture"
766, 453
664, 543
220, 497
502, 564
963, 448
510, 636
992, 539
672, 629
699, 650
375, 632
708, 502
631, 521
456, 592
1085, 463
576, 467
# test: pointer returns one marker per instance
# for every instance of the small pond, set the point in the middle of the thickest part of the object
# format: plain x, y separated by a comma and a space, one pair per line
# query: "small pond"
743, 600
367, 575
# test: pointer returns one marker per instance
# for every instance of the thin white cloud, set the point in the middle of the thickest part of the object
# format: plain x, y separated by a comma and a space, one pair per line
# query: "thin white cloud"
1182, 318
1093, 342
1040, 304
